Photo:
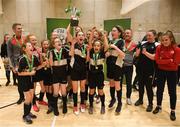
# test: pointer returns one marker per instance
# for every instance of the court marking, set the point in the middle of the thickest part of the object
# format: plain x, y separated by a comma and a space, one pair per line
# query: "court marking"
54, 121
11, 104
8, 105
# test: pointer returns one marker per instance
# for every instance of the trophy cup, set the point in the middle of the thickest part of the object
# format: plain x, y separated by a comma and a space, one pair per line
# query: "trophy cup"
75, 14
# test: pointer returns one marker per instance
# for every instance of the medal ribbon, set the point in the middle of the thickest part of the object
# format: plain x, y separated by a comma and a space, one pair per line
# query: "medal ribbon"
58, 56
95, 58
30, 65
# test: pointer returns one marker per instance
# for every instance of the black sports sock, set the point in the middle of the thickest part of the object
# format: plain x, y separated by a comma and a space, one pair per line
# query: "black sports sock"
64, 98
34, 100
29, 108
70, 92
26, 109
75, 99
48, 98
86, 92
102, 98
55, 104
91, 99
112, 92
82, 94
119, 96
41, 96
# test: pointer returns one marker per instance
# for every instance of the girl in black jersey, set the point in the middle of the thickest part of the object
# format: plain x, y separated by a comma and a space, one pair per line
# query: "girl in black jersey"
39, 73
114, 62
146, 65
95, 35
58, 61
27, 64
47, 73
78, 71
96, 57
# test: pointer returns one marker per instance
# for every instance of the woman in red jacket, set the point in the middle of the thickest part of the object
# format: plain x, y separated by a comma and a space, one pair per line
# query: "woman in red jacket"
167, 59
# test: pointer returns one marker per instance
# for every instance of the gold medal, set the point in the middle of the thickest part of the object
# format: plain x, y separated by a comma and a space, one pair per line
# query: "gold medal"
45, 68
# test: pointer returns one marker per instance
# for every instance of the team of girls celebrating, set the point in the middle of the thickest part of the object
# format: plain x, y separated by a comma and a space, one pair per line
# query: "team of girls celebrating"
69, 68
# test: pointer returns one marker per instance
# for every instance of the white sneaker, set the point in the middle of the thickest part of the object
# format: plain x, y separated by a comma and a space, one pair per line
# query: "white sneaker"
129, 101
82, 108
98, 100
76, 111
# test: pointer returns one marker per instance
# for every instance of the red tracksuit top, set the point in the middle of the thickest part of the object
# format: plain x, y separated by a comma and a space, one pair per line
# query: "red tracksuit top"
167, 58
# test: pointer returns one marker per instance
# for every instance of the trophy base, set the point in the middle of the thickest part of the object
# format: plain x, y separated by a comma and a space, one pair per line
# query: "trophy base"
74, 22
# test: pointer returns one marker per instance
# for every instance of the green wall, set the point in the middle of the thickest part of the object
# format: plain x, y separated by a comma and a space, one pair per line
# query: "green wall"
53, 23
109, 24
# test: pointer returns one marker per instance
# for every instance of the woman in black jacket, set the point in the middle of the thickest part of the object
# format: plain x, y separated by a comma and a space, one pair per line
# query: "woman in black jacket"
4, 57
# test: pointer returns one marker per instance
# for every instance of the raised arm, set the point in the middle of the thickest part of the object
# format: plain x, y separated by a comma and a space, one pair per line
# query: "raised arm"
73, 42
90, 41
106, 45
69, 36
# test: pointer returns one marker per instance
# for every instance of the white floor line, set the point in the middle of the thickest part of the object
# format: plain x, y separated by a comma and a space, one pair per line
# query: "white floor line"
54, 121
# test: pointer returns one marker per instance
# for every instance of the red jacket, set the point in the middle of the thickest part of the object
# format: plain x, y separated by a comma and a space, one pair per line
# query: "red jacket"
167, 58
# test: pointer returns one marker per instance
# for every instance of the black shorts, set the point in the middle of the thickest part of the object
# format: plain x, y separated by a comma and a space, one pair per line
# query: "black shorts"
78, 75
59, 75
26, 83
114, 72
38, 76
47, 77
96, 80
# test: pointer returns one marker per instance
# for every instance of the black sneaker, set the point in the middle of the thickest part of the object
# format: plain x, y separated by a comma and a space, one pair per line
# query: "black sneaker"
112, 102
102, 109
157, 110
118, 108
7, 83
20, 101
27, 119
173, 115
138, 102
15, 84
64, 110
32, 115
149, 108
50, 109
90, 110
56, 112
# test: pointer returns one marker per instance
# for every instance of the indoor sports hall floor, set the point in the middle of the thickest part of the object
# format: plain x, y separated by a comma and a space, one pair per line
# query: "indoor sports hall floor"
131, 116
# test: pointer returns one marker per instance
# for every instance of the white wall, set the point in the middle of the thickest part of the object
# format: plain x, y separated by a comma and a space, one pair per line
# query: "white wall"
157, 14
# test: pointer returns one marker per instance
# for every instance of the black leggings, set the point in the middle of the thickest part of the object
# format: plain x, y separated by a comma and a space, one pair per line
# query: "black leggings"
127, 71
171, 77
145, 79
178, 77
8, 72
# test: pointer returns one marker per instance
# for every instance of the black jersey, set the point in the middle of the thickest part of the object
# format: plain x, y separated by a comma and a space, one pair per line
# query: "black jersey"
60, 65
79, 61
114, 54
148, 64
26, 82
96, 61
23, 64
60, 57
